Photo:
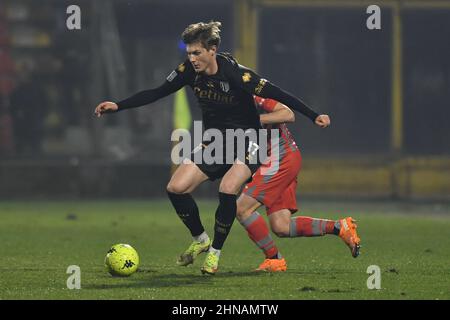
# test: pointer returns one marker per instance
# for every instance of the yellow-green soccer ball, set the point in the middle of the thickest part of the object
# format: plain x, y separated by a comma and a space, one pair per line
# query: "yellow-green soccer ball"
122, 260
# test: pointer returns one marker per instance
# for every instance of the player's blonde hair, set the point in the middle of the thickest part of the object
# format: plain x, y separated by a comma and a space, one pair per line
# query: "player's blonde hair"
208, 34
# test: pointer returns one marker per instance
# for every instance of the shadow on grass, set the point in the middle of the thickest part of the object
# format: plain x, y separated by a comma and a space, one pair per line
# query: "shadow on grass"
324, 272
333, 290
151, 279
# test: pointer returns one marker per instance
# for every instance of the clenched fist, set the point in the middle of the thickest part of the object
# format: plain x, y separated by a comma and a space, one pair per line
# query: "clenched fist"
322, 121
105, 107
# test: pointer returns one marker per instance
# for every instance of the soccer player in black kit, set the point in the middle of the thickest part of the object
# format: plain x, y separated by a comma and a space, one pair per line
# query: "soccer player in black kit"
224, 90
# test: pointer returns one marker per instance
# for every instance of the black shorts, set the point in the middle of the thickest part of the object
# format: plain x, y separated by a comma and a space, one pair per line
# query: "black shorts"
217, 169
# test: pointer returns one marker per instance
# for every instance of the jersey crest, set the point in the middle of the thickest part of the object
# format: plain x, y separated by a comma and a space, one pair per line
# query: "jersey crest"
246, 77
181, 67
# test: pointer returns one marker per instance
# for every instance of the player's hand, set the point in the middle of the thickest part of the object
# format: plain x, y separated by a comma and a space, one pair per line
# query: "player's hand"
105, 107
323, 121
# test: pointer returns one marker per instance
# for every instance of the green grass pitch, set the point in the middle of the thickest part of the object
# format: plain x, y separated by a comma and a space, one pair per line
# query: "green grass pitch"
39, 240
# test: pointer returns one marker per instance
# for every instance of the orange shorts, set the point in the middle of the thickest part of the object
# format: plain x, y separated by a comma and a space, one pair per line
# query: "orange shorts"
278, 190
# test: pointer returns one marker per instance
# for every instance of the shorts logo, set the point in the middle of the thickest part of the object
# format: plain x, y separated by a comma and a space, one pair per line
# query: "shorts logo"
225, 86
246, 77
172, 76
181, 67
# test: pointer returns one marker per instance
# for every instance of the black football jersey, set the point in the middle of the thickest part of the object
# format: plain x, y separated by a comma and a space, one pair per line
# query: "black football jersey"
225, 101
225, 98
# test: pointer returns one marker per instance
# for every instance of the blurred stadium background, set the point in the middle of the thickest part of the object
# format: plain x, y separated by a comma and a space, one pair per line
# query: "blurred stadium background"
387, 92
385, 160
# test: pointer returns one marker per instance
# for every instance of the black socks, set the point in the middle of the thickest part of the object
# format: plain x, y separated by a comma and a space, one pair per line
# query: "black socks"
187, 210
225, 214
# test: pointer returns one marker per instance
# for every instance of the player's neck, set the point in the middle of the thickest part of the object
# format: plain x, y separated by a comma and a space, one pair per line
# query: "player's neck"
212, 68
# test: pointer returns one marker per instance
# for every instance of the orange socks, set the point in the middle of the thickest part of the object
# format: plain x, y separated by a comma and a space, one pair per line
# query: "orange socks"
258, 231
311, 227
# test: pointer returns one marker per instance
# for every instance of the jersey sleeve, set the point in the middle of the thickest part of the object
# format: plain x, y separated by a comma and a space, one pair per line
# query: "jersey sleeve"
182, 75
246, 79
252, 83
177, 79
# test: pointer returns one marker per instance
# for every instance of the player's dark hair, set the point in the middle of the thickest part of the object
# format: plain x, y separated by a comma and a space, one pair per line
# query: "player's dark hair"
208, 34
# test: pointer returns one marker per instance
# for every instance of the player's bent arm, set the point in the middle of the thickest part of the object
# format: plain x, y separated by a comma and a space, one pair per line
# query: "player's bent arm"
269, 90
252, 83
279, 114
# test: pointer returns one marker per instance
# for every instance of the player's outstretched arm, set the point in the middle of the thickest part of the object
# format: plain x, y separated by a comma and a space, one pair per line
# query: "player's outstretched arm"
139, 99
175, 81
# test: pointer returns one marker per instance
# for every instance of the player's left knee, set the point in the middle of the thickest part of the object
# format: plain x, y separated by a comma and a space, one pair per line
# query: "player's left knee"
228, 187
242, 213
174, 187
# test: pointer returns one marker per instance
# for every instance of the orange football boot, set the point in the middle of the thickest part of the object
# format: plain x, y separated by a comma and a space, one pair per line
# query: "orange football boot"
273, 265
348, 234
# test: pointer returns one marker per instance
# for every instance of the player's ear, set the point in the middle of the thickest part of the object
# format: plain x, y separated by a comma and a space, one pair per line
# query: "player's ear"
213, 50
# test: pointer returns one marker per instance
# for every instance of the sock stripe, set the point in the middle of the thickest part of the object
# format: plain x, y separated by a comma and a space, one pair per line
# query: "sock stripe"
259, 233
316, 227
264, 242
269, 247
310, 227
293, 228
253, 217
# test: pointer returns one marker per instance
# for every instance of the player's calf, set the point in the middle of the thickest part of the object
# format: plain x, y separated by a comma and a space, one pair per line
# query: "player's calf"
259, 233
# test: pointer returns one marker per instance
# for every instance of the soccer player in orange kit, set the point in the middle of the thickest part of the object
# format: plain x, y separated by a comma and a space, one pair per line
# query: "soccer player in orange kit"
274, 186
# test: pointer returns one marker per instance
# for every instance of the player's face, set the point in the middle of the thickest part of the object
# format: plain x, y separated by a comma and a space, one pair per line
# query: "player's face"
200, 57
